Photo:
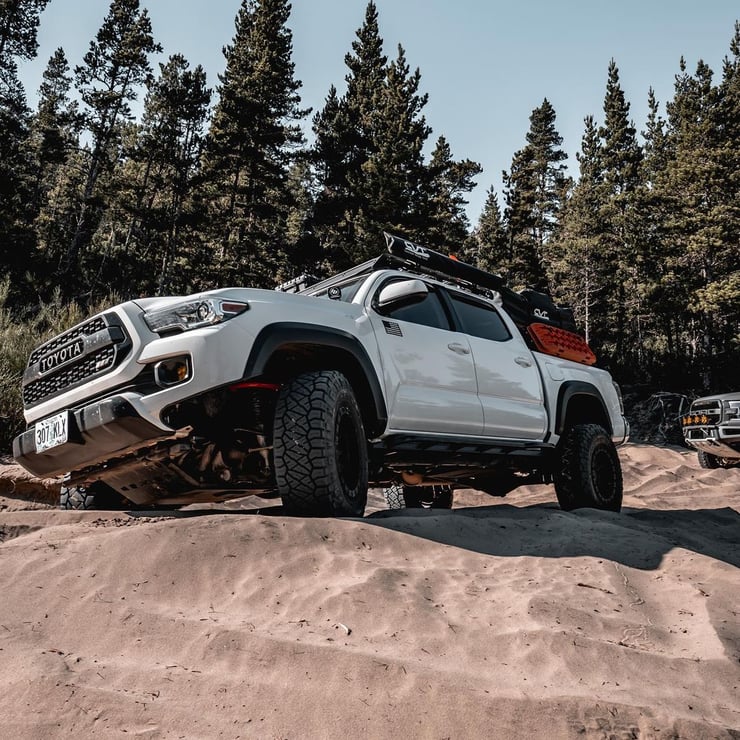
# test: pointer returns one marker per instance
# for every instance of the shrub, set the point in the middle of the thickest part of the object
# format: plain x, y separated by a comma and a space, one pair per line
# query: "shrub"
19, 335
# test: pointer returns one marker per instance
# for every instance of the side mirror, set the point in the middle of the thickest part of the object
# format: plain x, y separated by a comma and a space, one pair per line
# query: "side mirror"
403, 291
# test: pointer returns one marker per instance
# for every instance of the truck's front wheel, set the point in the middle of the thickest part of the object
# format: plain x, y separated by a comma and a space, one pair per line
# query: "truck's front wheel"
319, 446
588, 473
708, 461
95, 496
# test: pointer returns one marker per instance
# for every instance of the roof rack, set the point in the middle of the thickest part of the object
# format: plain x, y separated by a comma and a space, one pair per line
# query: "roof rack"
525, 308
297, 284
430, 262
341, 277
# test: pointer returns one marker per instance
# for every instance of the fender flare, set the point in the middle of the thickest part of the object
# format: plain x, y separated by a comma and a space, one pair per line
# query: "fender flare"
569, 390
274, 336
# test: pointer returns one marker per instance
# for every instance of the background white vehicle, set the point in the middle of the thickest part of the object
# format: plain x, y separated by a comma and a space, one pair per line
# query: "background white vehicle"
712, 427
412, 369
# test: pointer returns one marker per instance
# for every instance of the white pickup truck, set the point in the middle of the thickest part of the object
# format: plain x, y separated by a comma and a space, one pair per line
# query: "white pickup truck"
411, 369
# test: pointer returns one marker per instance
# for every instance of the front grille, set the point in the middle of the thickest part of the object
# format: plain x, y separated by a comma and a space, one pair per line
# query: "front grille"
82, 330
706, 407
705, 412
106, 344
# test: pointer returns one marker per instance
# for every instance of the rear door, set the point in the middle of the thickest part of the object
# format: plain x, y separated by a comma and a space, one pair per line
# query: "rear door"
428, 369
509, 383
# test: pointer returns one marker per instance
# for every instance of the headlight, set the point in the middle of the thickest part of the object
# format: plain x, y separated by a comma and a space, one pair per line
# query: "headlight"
192, 314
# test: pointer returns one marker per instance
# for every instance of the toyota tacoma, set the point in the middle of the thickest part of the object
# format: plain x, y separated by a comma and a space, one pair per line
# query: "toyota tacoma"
411, 369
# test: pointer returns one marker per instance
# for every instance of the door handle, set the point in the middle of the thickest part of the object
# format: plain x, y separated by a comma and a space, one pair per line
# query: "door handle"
460, 349
523, 361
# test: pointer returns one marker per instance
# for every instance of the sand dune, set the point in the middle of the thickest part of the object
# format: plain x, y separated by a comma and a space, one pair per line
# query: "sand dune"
503, 618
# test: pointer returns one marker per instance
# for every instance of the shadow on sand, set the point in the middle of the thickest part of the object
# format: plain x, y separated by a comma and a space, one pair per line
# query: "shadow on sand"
639, 538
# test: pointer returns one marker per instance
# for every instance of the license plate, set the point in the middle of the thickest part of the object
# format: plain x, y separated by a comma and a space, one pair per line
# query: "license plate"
52, 432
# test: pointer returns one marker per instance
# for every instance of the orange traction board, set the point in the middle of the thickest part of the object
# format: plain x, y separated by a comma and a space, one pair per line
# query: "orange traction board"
561, 343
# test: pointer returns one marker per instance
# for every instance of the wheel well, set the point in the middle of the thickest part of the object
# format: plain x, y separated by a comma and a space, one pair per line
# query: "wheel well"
293, 359
584, 408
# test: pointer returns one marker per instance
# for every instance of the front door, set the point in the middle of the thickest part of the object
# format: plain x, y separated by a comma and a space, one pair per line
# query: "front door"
428, 370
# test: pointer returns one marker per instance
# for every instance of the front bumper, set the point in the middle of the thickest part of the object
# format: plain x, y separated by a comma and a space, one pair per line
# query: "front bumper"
715, 440
96, 432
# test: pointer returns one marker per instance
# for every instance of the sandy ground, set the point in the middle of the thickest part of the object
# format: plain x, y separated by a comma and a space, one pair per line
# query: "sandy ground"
502, 618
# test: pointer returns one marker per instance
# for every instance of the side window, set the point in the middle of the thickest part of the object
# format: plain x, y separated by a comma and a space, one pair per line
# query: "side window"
479, 319
427, 312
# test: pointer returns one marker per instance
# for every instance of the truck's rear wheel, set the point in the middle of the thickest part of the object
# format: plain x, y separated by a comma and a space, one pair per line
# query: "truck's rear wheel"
319, 447
588, 473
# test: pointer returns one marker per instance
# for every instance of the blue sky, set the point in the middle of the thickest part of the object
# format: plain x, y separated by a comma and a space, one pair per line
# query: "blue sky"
486, 64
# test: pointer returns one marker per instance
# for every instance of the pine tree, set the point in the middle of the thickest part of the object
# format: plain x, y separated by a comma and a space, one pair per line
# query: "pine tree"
701, 186
55, 148
19, 23
16, 179
664, 303
329, 159
345, 143
303, 252
720, 300
19, 20
369, 160
254, 139
392, 178
621, 242
581, 271
534, 188
655, 149
444, 223
488, 245
151, 222
116, 64
55, 127
689, 187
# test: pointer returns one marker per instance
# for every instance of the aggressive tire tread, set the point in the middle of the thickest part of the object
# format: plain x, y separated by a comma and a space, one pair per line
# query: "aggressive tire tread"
708, 461
588, 473
320, 450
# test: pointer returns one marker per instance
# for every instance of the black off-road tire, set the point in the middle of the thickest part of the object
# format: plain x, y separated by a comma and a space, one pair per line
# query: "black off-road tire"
419, 497
588, 472
708, 461
319, 447
394, 496
97, 496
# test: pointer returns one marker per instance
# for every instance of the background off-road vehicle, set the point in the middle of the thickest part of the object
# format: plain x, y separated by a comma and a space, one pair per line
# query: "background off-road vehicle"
712, 427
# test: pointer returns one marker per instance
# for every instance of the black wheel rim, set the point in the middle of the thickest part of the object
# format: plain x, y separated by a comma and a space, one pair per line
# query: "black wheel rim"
348, 463
602, 475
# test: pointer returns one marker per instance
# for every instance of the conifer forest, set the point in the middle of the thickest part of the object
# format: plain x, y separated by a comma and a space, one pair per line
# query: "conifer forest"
234, 182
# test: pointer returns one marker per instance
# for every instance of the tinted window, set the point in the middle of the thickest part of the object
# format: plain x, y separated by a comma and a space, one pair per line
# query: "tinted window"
479, 320
428, 312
